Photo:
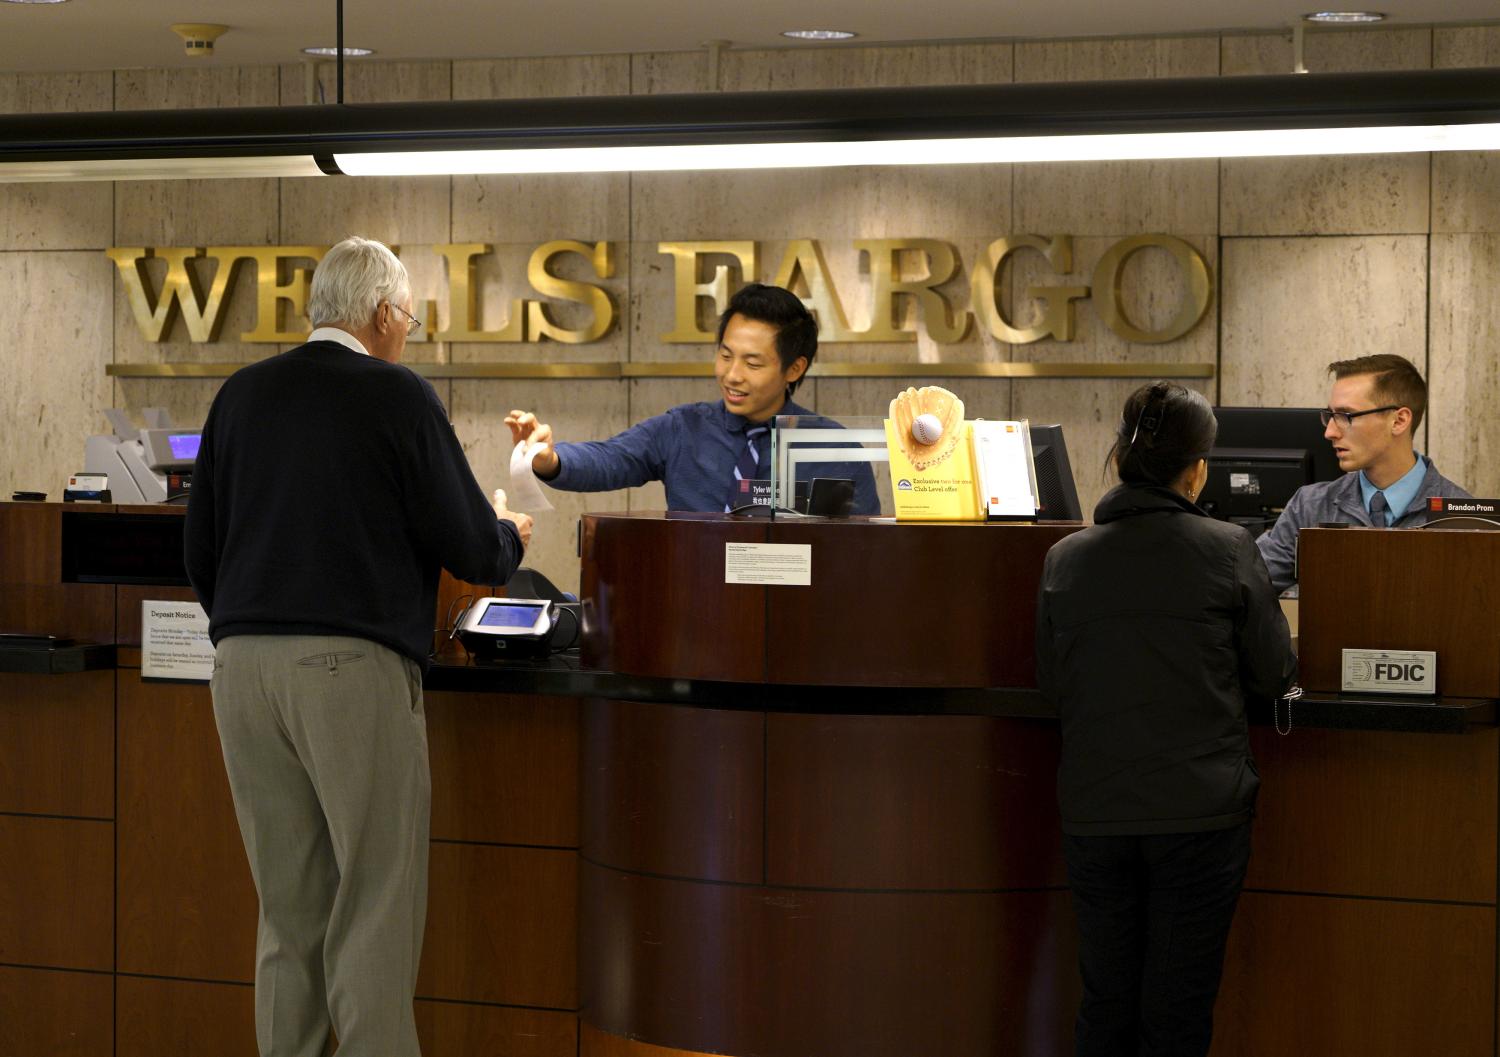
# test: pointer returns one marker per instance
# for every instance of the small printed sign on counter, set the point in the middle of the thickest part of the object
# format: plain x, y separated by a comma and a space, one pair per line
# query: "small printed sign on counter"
1390, 671
174, 641
1438, 506
781, 564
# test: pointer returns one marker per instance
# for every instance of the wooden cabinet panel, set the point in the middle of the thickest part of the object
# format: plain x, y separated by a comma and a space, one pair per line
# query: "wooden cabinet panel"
57, 895
744, 969
504, 768
853, 626
1313, 975
501, 926
1435, 591
448, 1029
1371, 813
165, 1018
187, 904
85, 612
50, 1013
57, 744
657, 603
128, 608
674, 790
33, 543
934, 802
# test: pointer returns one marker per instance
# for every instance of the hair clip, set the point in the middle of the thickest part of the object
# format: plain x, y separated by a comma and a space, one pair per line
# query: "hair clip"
1148, 421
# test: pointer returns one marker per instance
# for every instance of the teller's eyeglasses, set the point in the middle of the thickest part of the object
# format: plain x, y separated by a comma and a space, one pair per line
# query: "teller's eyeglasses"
1345, 418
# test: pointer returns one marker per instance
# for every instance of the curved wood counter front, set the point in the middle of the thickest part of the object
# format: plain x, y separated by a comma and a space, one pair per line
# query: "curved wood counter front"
766, 872
762, 882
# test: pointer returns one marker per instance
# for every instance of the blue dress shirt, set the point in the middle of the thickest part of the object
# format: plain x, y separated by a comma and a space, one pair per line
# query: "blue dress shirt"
692, 449
1399, 495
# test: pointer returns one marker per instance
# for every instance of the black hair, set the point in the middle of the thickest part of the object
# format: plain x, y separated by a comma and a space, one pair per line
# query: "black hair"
1164, 429
796, 329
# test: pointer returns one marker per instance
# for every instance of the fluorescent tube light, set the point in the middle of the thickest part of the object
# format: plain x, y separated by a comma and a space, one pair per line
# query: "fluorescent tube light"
332, 52
977, 150
157, 169
1213, 117
1344, 17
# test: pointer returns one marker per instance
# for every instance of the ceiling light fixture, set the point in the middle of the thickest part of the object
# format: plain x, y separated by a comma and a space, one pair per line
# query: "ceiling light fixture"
36, 1
1344, 17
1224, 117
330, 52
819, 34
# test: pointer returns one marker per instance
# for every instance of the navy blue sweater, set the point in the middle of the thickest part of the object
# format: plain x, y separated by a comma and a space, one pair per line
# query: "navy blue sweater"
328, 490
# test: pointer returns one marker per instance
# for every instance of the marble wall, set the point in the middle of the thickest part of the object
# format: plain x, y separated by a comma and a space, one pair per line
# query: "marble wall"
1315, 259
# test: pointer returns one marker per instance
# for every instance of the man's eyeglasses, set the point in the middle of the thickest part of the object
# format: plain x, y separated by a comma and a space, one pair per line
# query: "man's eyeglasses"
413, 324
1344, 418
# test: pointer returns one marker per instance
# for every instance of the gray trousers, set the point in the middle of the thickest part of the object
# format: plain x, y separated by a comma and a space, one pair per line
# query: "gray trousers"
325, 742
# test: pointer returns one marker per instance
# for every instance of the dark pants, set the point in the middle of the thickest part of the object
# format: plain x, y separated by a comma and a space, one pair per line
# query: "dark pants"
1153, 919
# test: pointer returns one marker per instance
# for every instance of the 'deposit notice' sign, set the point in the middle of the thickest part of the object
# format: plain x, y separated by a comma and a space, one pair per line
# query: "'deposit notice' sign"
174, 641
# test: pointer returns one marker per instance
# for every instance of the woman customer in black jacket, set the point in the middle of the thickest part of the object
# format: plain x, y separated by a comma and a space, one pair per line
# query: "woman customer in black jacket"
1154, 626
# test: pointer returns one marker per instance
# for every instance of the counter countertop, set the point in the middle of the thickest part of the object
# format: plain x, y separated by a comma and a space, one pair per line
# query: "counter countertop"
565, 676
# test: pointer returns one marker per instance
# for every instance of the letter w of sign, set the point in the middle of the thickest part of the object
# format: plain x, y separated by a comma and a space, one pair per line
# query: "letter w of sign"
179, 291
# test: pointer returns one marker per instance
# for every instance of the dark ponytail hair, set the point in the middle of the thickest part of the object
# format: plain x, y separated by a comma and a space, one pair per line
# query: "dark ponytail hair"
1164, 429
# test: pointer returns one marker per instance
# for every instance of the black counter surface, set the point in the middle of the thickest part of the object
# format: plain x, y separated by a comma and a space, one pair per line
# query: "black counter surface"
60, 660
563, 675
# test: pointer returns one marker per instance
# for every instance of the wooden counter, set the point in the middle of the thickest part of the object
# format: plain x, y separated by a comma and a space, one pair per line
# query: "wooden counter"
127, 913
659, 860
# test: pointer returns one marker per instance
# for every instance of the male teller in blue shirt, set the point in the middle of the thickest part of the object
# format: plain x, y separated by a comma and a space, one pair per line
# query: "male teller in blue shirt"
1374, 408
702, 452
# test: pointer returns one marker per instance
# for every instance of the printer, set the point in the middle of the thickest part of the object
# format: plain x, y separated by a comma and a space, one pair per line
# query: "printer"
151, 465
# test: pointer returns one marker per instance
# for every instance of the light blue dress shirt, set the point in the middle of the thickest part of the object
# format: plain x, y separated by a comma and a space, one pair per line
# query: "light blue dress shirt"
1399, 495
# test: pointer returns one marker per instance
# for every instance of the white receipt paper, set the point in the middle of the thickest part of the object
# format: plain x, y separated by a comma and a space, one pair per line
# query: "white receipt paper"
174, 641
783, 564
525, 492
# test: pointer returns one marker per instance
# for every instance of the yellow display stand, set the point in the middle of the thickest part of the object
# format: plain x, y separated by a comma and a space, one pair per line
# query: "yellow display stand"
931, 451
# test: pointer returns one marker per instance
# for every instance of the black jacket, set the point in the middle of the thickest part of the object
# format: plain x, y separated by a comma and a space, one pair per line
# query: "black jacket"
328, 490
1154, 626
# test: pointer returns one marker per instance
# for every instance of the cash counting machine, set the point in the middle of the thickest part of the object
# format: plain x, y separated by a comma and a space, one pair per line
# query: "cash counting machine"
151, 465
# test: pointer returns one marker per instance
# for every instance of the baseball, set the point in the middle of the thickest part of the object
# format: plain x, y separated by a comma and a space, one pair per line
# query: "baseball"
926, 429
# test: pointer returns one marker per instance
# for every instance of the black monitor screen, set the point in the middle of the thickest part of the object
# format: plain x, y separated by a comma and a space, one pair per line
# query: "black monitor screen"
1057, 493
1261, 457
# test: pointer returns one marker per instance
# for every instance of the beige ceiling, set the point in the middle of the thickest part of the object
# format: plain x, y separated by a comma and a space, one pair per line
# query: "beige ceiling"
99, 34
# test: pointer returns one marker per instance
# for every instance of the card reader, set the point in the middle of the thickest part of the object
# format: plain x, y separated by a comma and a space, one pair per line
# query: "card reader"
497, 629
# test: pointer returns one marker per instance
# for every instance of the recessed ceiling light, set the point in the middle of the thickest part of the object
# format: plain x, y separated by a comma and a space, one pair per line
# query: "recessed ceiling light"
1344, 17
36, 1
349, 53
819, 34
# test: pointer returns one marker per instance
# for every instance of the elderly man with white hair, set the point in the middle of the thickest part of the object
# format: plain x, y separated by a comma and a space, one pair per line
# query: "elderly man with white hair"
328, 491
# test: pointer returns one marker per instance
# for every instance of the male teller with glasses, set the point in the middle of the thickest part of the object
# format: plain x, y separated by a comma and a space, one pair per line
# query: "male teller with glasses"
1374, 408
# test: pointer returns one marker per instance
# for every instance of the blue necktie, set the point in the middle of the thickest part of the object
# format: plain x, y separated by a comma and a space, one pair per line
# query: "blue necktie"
744, 469
1378, 510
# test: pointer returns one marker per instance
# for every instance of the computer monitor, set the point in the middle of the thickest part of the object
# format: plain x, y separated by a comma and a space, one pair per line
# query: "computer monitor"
169, 450
1057, 494
1261, 457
